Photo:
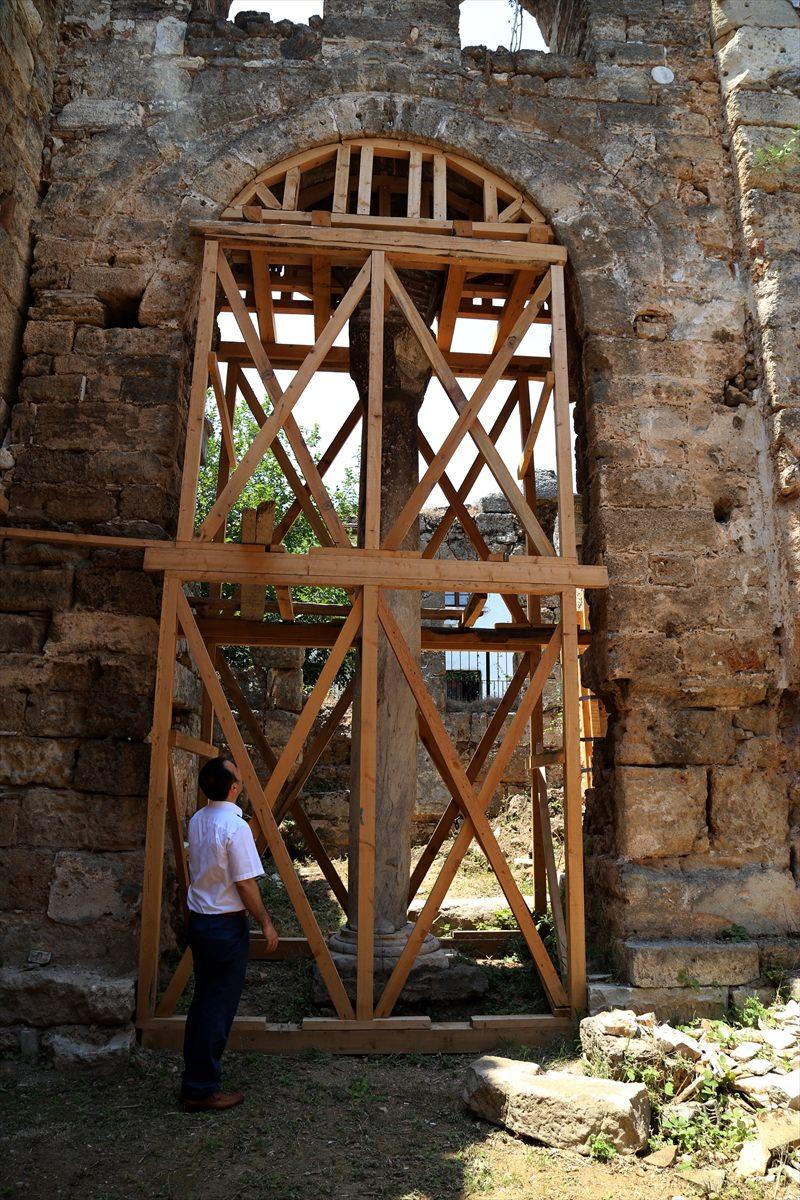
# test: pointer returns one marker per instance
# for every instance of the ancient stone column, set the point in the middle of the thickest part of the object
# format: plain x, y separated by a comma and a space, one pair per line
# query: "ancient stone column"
406, 376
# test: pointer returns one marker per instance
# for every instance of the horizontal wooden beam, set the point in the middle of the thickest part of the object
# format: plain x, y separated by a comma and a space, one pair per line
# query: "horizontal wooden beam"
412, 248
227, 562
523, 231
443, 1037
232, 631
289, 356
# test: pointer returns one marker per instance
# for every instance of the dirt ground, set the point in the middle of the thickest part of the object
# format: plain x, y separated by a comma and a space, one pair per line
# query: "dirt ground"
313, 1126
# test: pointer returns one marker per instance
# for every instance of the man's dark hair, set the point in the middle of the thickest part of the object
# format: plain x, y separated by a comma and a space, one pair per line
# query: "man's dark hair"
216, 778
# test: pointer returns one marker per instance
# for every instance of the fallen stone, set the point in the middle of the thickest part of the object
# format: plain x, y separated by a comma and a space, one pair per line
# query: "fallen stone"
88, 1056
778, 1129
755, 1066
672, 1041
707, 1180
772, 1089
558, 1109
669, 964
745, 1051
613, 1038
779, 1039
678, 1005
664, 1156
753, 1160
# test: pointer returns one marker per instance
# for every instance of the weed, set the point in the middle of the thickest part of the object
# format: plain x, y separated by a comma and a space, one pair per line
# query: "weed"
777, 156
359, 1088
734, 933
752, 1011
600, 1149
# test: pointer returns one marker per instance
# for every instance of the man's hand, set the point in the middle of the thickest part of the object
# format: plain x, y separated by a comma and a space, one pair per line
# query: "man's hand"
270, 935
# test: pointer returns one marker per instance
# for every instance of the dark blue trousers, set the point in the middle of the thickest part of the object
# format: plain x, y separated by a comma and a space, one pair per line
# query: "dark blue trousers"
220, 946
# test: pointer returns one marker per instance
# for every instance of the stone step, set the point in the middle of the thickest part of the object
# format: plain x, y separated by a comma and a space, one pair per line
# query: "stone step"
678, 963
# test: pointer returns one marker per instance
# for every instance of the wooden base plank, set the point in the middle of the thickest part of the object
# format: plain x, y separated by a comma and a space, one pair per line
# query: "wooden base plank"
446, 1037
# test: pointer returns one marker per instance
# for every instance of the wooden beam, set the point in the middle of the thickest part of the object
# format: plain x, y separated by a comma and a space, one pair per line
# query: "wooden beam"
291, 189
339, 568
341, 184
365, 181
257, 528
197, 395
321, 276
439, 187
367, 768
449, 309
341, 242
262, 295
329, 455
566, 502
374, 430
573, 805
414, 183
490, 201
535, 426
508, 315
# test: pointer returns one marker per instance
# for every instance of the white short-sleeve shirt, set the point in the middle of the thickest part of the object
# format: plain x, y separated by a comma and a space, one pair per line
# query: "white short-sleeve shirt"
222, 852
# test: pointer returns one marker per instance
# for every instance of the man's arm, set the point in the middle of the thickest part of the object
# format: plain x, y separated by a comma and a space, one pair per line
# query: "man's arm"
251, 899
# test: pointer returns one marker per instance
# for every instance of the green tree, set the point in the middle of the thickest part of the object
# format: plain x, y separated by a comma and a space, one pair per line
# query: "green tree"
269, 483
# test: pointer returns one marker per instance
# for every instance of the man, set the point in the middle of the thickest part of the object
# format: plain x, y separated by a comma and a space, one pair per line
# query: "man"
223, 867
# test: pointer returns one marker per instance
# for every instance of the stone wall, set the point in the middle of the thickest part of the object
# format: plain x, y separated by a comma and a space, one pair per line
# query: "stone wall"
683, 358
28, 36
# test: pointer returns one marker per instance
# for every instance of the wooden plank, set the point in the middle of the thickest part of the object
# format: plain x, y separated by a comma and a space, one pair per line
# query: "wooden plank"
467, 420
192, 745
524, 282
245, 712
226, 426
57, 536
153, 880
174, 817
475, 822
551, 871
263, 813
328, 456
566, 503
262, 293
266, 196
439, 187
197, 396
443, 1037
288, 357
321, 277
535, 426
573, 807
449, 309
414, 183
360, 1024
511, 211
498, 230
367, 769
374, 430
283, 409
490, 201
341, 185
339, 568
365, 181
342, 241
175, 987
291, 189
314, 844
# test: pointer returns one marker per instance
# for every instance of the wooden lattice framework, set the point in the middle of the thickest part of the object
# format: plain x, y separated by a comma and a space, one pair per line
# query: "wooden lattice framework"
375, 207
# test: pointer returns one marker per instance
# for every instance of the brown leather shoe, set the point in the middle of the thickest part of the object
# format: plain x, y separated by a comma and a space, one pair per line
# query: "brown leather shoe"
217, 1102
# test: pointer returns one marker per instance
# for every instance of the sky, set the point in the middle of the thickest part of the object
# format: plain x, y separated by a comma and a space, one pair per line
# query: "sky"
330, 397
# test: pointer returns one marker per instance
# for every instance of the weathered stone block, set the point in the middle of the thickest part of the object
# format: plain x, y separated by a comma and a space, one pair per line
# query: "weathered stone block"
22, 635
113, 767
561, 1110
661, 811
37, 760
749, 813
61, 820
668, 964
24, 590
24, 878
59, 996
89, 886
678, 1005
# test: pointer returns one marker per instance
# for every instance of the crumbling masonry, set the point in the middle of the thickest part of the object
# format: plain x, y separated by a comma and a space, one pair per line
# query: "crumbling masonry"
123, 120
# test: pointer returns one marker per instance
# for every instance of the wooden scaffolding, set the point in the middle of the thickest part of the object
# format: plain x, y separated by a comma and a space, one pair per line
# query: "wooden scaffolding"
376, 208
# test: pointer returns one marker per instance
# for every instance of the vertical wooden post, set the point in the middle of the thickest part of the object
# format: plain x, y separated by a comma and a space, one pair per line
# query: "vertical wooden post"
536, 727
368, 718
566, 510
573, 808
197, 396
150, 925
372, 523
570, 667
